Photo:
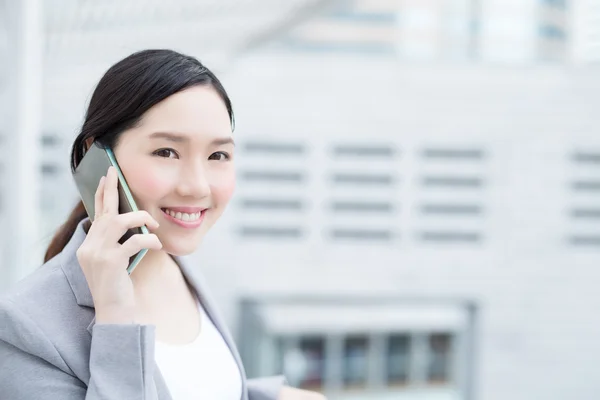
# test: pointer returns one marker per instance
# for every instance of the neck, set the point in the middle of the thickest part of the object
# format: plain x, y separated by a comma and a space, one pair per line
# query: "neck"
156, 266
159, 285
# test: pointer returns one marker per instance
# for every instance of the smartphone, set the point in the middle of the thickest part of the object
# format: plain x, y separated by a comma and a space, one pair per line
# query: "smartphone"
87, 175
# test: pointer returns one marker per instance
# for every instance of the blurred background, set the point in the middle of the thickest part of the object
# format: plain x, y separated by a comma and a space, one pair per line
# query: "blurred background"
418, 207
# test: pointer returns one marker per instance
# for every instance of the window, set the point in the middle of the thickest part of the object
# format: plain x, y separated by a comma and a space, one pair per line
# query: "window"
361, 234
585, 213
364, 151
398, 360
275, 148
555, 3
313, 352
271, 232
49, 169
451, 209
587, 157
272, 204
49, 140
453, 154
362, 207
273, 177
362, 350
401, 361
450, 237
552, 32
363, 179
452, 181
585, 183
355, 361
438, 371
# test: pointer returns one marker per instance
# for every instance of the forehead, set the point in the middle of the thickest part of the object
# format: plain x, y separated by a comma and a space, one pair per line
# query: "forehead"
198, 112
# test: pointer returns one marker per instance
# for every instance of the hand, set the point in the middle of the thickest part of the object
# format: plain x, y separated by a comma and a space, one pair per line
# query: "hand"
288, 393
104, 260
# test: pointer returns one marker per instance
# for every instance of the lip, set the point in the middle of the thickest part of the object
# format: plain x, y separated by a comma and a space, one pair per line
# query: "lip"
189, 210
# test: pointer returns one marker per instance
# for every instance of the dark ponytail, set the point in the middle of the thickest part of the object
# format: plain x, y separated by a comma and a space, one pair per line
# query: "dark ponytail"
65, 232
126, 91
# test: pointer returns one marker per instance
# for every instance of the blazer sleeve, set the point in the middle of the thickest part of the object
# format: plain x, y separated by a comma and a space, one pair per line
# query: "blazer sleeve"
267, 388
121, 364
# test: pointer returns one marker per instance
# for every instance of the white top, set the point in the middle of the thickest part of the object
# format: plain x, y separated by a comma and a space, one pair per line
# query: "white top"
203, 369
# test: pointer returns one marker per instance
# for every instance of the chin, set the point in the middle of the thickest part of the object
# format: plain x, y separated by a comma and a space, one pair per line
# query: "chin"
180, 249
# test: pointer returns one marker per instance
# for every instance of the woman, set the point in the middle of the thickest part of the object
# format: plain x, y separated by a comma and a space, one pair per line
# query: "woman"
80, 326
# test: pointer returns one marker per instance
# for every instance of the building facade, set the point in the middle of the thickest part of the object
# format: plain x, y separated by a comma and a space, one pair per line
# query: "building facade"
401, 230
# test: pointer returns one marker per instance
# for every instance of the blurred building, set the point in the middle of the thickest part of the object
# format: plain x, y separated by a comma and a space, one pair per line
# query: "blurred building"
432, 234
585, 27
489, 31
417, 209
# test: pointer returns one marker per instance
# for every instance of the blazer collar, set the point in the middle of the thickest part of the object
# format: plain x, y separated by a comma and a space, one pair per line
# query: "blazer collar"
83, 296
72, 270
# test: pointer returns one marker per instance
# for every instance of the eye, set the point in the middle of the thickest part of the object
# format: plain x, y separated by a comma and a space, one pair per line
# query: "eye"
219, 156
166, 153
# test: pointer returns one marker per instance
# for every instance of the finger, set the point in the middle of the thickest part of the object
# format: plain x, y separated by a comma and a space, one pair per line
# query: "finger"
131, 220
118, 225
98, 198
111, 193
135, 219
140, 241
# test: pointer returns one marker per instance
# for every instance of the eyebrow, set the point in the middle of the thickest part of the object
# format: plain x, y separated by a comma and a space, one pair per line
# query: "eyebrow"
175, 137
222, 141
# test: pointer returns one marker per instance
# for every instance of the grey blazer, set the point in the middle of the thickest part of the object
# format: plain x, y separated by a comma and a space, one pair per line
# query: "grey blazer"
50, 347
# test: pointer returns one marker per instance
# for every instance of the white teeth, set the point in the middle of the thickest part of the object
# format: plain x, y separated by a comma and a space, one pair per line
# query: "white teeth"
183, 216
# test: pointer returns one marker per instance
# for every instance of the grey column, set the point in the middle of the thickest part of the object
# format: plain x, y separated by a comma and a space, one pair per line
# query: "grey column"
21, 195
377, 361
334, 356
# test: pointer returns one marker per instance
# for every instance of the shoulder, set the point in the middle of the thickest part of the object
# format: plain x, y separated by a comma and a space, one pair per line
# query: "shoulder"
41, 282
42, 295
40, 312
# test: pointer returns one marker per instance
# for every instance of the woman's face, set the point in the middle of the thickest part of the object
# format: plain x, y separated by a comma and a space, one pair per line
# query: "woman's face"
178, 163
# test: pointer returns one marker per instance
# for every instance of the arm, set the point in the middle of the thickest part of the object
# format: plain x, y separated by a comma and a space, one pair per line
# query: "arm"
121, 362
274, 388
25, 376
265, 388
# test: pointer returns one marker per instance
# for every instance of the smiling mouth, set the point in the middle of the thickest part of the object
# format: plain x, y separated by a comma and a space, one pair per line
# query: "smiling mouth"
183, 216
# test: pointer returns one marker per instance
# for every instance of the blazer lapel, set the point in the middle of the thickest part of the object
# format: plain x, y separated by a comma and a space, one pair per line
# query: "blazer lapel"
83, 296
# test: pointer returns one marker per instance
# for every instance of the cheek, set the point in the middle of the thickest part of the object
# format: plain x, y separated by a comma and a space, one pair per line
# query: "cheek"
146, 184
222, 190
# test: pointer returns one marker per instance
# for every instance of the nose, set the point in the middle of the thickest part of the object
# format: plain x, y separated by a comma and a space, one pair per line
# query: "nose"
193, 181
